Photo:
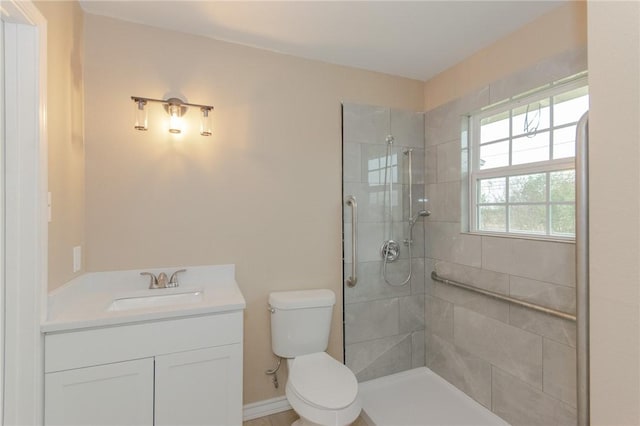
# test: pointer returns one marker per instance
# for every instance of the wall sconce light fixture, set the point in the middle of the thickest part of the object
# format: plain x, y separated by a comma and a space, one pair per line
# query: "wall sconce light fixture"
176, 108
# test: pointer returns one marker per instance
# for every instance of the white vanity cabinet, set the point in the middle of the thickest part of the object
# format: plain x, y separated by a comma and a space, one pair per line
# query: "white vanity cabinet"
111, 394
179, 371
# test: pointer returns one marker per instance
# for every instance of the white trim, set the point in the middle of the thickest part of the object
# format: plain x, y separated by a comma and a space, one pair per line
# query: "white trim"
265, 408
25, 210
2, 226
475, 174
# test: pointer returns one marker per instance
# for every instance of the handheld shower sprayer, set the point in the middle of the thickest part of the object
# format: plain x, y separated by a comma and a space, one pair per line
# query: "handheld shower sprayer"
421, 213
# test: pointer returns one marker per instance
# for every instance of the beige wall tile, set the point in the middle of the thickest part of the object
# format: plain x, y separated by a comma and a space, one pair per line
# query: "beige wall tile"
467, 372
477, 277
446, 242
365, 123
412, 316
431, 169
371, 285
371, 320
418, 355
546, 294
394, 359
522, 405
540, 260
444, 201
439, 317
484, 305
557, 329
442, 124
407, 128
449, 161
548, 70
559, 371
512, 349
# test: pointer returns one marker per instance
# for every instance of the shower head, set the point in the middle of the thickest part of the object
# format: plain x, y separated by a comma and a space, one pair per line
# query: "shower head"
421, 213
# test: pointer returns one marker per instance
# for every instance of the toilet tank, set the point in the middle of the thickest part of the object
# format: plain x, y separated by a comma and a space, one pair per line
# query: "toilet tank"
300, 321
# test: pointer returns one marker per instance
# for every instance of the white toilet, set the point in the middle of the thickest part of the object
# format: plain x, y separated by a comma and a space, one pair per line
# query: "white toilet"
320, 389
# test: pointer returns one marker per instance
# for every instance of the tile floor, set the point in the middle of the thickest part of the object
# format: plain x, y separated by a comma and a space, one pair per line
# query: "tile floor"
285, 419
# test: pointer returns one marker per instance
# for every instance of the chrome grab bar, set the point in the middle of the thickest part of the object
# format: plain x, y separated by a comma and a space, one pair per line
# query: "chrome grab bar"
353, 279
582, 268
524, 304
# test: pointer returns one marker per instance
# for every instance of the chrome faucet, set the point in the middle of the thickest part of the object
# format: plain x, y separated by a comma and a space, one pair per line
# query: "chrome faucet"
162, 281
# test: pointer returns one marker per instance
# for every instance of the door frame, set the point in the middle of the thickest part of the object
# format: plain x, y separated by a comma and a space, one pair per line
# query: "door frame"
24, 213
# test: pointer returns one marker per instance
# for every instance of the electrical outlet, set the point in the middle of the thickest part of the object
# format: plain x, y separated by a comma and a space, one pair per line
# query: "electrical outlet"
77, 258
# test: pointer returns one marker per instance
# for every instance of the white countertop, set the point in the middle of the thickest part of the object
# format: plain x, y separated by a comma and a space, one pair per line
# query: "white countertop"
84, 301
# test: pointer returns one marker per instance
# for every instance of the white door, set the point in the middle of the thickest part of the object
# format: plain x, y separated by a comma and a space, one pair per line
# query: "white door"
201, 387
112, 394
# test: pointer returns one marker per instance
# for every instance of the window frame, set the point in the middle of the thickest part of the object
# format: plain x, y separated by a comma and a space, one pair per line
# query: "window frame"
553, 165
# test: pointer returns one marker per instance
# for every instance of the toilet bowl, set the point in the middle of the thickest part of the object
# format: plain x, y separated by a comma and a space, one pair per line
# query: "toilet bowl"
320, 389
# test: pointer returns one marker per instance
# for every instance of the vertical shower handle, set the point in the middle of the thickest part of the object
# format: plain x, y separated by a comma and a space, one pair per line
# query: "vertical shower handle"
353, 279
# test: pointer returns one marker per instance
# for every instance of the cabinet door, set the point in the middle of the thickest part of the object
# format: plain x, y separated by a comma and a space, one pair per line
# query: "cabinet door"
201, 387
111, 394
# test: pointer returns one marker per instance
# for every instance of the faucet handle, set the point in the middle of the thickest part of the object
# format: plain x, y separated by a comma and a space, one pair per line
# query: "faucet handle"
153, 281
173, 281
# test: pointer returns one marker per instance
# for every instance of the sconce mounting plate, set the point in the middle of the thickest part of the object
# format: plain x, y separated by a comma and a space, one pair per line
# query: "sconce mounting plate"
177, 102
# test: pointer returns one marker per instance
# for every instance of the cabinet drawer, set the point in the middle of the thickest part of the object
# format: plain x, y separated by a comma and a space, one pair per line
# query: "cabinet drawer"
83, 348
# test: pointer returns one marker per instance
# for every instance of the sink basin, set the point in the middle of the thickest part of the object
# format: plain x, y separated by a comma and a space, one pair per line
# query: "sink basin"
156, 300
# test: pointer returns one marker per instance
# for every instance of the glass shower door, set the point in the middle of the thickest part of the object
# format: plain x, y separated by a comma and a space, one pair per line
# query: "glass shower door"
383, 318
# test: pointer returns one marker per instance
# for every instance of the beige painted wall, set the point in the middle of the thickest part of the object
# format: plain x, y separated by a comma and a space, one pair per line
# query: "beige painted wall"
614, 153
264, 192
65, 121
560, 30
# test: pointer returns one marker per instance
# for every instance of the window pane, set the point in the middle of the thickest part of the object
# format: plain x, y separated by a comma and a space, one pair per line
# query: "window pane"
494, 155
528, 218
492, 218
528, 188
563, 220
492, 191
568, 107
531, 149
563, 185
494, 127
531, 118
564, 142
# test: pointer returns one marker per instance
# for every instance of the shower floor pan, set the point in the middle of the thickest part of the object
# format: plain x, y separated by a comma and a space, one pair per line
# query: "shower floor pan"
421, 397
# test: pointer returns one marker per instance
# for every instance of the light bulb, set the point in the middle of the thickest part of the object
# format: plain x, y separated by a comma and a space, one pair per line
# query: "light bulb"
175, 119
140, 115
205, 122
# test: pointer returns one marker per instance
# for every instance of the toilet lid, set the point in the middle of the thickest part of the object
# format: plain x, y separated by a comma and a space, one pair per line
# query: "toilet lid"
323, 381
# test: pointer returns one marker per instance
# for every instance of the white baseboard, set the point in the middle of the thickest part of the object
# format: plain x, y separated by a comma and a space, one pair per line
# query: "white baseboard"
265, 408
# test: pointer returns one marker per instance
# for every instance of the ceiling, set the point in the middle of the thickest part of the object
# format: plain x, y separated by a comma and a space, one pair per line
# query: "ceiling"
415, 39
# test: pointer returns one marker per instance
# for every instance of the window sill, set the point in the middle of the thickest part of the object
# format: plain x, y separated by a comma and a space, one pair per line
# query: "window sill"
543, 238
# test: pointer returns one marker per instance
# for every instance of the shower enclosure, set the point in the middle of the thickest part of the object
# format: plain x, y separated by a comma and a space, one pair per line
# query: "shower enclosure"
383, 194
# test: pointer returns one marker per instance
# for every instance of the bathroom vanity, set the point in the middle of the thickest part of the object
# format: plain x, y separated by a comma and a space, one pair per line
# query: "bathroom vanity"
117, 353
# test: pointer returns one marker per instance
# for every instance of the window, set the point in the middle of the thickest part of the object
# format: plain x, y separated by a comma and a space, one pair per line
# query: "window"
522, 177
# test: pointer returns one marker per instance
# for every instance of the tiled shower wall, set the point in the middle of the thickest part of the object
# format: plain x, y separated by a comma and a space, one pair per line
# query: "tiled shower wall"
384, 325
516, 362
